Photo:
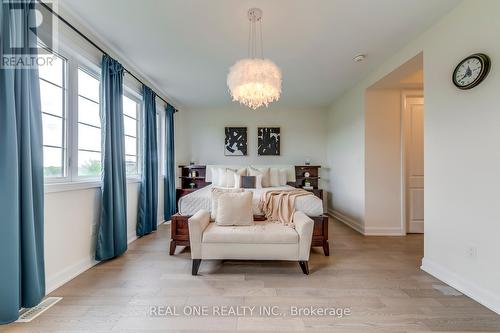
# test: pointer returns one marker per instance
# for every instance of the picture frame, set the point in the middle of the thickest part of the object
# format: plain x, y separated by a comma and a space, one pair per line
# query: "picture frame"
236, 141
269, 141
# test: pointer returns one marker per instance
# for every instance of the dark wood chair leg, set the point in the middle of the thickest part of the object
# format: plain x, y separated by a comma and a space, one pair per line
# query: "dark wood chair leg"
326, 248
305, 267
172, 247
196, 266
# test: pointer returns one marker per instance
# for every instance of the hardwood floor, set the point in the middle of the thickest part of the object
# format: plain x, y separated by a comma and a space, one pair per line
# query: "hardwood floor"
377, 278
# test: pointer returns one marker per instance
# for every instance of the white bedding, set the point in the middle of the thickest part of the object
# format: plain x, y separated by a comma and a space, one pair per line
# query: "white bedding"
189, 204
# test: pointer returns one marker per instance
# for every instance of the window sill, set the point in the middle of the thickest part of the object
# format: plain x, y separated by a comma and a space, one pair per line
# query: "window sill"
80, 185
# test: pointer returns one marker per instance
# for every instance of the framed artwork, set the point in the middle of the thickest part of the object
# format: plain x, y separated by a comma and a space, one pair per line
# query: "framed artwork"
236, 142
268, 141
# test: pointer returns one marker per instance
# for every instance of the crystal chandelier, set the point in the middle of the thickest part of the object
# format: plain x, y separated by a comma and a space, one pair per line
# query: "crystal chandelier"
254, 81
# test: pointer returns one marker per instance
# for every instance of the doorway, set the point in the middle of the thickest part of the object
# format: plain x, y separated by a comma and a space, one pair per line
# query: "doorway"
394, 152
413, 161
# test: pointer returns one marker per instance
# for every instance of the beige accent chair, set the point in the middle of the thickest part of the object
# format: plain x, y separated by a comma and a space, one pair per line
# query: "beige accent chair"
261, 241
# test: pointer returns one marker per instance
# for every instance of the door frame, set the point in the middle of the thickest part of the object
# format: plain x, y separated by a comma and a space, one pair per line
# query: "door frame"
404, 95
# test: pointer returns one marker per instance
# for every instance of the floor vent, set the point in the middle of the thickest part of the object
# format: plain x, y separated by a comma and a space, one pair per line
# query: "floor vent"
27, 315
447, 290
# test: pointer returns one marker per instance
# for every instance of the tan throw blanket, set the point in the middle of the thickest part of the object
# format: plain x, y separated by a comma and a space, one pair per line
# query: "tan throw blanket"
279, 205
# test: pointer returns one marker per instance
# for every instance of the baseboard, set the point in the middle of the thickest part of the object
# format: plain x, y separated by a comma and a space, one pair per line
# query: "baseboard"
68, 274
383, 231
131, 237
356, 225
477, 293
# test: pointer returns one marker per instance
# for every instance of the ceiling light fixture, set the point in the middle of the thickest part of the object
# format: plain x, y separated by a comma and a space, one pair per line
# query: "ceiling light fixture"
254, 81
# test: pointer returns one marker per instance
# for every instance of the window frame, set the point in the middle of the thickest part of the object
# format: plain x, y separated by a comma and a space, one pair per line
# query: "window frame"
65, 121
138, 98
95, 73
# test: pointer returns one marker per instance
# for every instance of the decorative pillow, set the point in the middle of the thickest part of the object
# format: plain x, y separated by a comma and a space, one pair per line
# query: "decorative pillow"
274, 177
253, 171
230, 175
235, 209
215, 176
251, 182
216, 193
219, 177
283, 177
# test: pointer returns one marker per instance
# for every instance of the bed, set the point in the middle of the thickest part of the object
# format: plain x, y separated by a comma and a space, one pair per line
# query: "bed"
202, 199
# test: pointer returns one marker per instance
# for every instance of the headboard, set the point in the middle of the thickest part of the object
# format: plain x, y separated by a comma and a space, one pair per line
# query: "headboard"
289, 168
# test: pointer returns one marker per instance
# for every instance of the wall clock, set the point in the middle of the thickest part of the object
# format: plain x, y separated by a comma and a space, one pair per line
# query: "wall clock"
471, 71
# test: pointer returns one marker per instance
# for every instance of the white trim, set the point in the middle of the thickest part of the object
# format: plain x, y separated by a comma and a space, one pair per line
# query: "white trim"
81, 185
131, 237
354, 224
366, 231
384, 231
71, 186
467, 287
68, 274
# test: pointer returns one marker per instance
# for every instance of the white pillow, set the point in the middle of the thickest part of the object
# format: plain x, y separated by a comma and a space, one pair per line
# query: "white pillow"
237, 180
216, 193
283, 177
219, 177
215, 176
230, 176
235, 209
253, 171
258, 182
274, 177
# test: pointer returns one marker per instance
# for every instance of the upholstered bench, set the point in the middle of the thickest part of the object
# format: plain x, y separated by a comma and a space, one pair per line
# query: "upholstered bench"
261, 241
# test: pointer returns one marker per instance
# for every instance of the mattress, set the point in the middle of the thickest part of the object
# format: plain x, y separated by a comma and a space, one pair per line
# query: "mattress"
189, 204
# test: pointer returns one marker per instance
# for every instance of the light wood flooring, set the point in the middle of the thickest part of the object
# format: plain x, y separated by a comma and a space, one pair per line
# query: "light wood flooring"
377, 278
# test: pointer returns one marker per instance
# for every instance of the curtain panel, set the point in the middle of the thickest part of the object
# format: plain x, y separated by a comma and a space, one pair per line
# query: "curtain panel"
22, 276
148, 198
170, 201
112, 231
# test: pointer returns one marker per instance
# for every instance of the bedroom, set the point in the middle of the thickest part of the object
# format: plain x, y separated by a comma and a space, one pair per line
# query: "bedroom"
335, 59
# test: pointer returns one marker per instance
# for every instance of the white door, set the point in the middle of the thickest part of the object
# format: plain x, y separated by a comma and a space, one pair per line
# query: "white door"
414, 160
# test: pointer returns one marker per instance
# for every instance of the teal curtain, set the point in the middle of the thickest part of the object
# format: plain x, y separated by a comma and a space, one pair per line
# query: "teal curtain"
22, 276
112, 232
170, 202
148, 197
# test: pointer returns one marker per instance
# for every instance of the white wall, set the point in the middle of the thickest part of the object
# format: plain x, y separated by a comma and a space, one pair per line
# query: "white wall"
383, 162
462, 159
346, 158
303, 135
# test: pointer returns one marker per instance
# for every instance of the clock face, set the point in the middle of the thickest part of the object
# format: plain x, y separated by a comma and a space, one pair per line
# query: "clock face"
471, 71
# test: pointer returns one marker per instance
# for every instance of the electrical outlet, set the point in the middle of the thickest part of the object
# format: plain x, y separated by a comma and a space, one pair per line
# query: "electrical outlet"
472, 252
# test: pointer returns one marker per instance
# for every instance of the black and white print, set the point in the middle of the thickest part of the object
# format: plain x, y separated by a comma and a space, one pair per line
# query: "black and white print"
268, 141
236, 141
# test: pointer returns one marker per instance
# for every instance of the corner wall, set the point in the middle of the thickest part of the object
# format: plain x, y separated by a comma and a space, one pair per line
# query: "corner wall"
383, 195
462, 159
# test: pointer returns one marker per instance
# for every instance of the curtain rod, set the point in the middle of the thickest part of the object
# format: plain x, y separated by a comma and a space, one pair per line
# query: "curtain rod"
72, 27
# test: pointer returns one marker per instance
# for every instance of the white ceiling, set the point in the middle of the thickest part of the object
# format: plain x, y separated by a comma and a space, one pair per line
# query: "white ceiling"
187, 46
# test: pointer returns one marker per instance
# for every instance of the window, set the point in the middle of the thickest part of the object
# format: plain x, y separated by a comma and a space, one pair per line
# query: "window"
53, 102
89, 125
131, 121
70, 102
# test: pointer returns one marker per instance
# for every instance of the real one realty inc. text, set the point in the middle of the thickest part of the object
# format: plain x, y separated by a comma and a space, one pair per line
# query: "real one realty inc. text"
247, 311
